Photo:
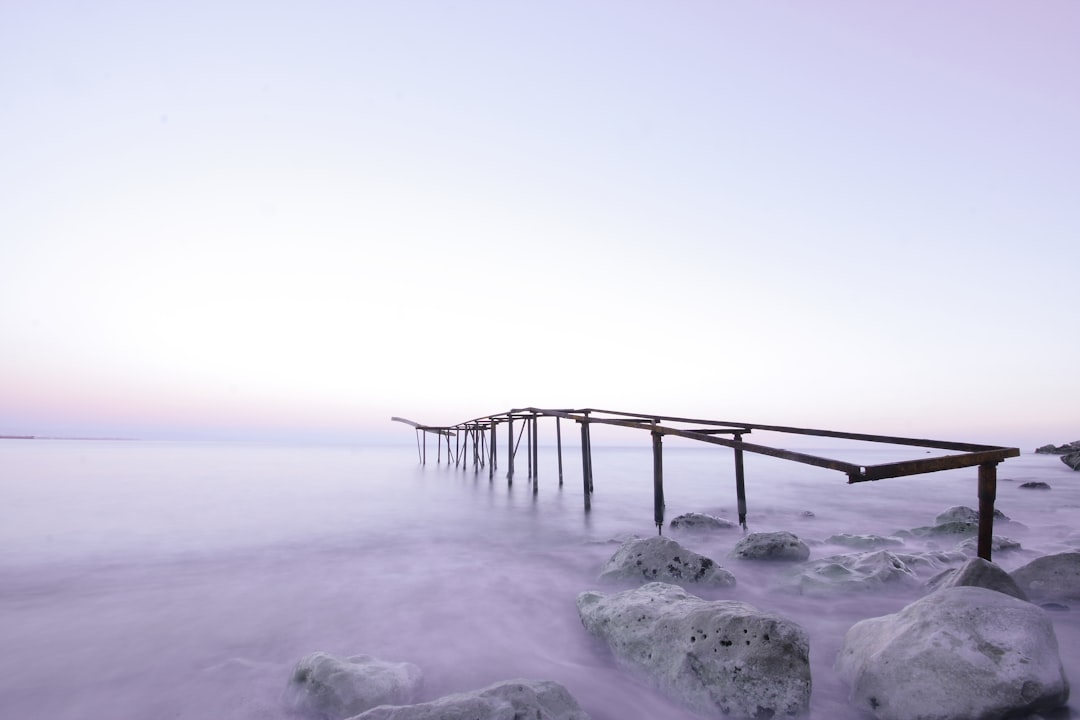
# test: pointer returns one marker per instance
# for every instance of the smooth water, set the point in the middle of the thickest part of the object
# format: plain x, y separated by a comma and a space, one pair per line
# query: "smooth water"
184, 580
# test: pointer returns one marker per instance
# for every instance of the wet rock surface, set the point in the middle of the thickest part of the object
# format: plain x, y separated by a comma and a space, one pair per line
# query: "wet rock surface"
977, 572
509, 700
774, 546
711, 656
700, 522
958, 653
330, 688
1051, 578
662, 559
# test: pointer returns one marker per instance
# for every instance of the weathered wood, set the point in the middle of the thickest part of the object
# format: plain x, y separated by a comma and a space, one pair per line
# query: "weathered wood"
740, 486
558, 446
658, 481
987, 495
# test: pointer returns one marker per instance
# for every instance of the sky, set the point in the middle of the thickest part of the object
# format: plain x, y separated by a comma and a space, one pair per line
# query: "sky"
285, 220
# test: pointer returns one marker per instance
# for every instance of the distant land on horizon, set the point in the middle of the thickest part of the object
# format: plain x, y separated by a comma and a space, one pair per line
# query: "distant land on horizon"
46, 437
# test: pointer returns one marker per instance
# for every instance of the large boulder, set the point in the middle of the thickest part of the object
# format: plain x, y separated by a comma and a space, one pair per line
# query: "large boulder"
327, 687
713, 656
700, 522
1072, 460
956, 654
962, 513
658, 558
1051, 577
771, 546
509, 700
977, 572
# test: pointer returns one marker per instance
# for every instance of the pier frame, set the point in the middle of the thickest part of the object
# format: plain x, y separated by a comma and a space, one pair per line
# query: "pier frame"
985, 457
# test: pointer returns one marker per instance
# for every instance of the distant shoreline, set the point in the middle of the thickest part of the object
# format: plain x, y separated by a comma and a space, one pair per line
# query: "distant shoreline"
44, 437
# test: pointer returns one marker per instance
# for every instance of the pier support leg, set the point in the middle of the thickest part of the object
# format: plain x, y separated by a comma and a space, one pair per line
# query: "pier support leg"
658, 482
510, 449
491, 453
529, 423
535, 450
424, 460
586, 480
558, 445
987, 495
740, 485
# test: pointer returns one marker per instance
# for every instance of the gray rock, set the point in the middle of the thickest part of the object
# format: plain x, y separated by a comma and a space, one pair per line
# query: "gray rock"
324, 686
855, 572
964, 514
662, 559
946, 529
1065, 449
867, 542
1035, 485
1072, 460
998, 544
1051, 577
771, 546
959, 653
509, 700
977, 572
700, 522
712, 656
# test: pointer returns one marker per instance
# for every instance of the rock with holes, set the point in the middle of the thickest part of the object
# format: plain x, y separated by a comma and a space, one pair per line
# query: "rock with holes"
700, 522
1051, 577
327, 687
771, 546
977, 572
958, 653
662, 559
713, 656
509, 700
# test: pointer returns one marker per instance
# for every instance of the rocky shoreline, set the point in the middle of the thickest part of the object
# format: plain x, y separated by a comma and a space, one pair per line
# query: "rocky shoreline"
1069, 452
729, 658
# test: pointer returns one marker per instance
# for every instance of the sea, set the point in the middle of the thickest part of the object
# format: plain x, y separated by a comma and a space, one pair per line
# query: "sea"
152, 580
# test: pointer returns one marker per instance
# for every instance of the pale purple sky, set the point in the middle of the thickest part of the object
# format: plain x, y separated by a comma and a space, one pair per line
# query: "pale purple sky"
267, 219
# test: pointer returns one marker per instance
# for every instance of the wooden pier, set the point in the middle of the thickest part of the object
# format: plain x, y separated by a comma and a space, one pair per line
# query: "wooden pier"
482, 434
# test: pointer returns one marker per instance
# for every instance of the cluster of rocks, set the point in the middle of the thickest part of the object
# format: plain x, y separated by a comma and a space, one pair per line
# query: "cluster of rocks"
365, 688
974, 645
1069, 452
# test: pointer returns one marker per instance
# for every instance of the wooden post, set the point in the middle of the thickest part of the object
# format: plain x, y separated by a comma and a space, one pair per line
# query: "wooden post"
424, 433
529, 422
740, 483
987, 495
457, 446
491, 452
658, 481
558, 444
510, 448
585, 480
418, 455
535, 448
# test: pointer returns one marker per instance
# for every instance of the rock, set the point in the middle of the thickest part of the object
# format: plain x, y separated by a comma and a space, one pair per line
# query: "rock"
1035, 485
955, 527
327, 687
771, 546
959, 653
509, 700
977, 572
713, 656
1072, 460
700, 522
659, 558
1065, 449
1051, 577
845, 573
998, 544
964, 514
863, 541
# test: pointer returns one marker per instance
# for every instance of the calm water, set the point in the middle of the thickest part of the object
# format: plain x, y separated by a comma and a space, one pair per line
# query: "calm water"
183, 580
